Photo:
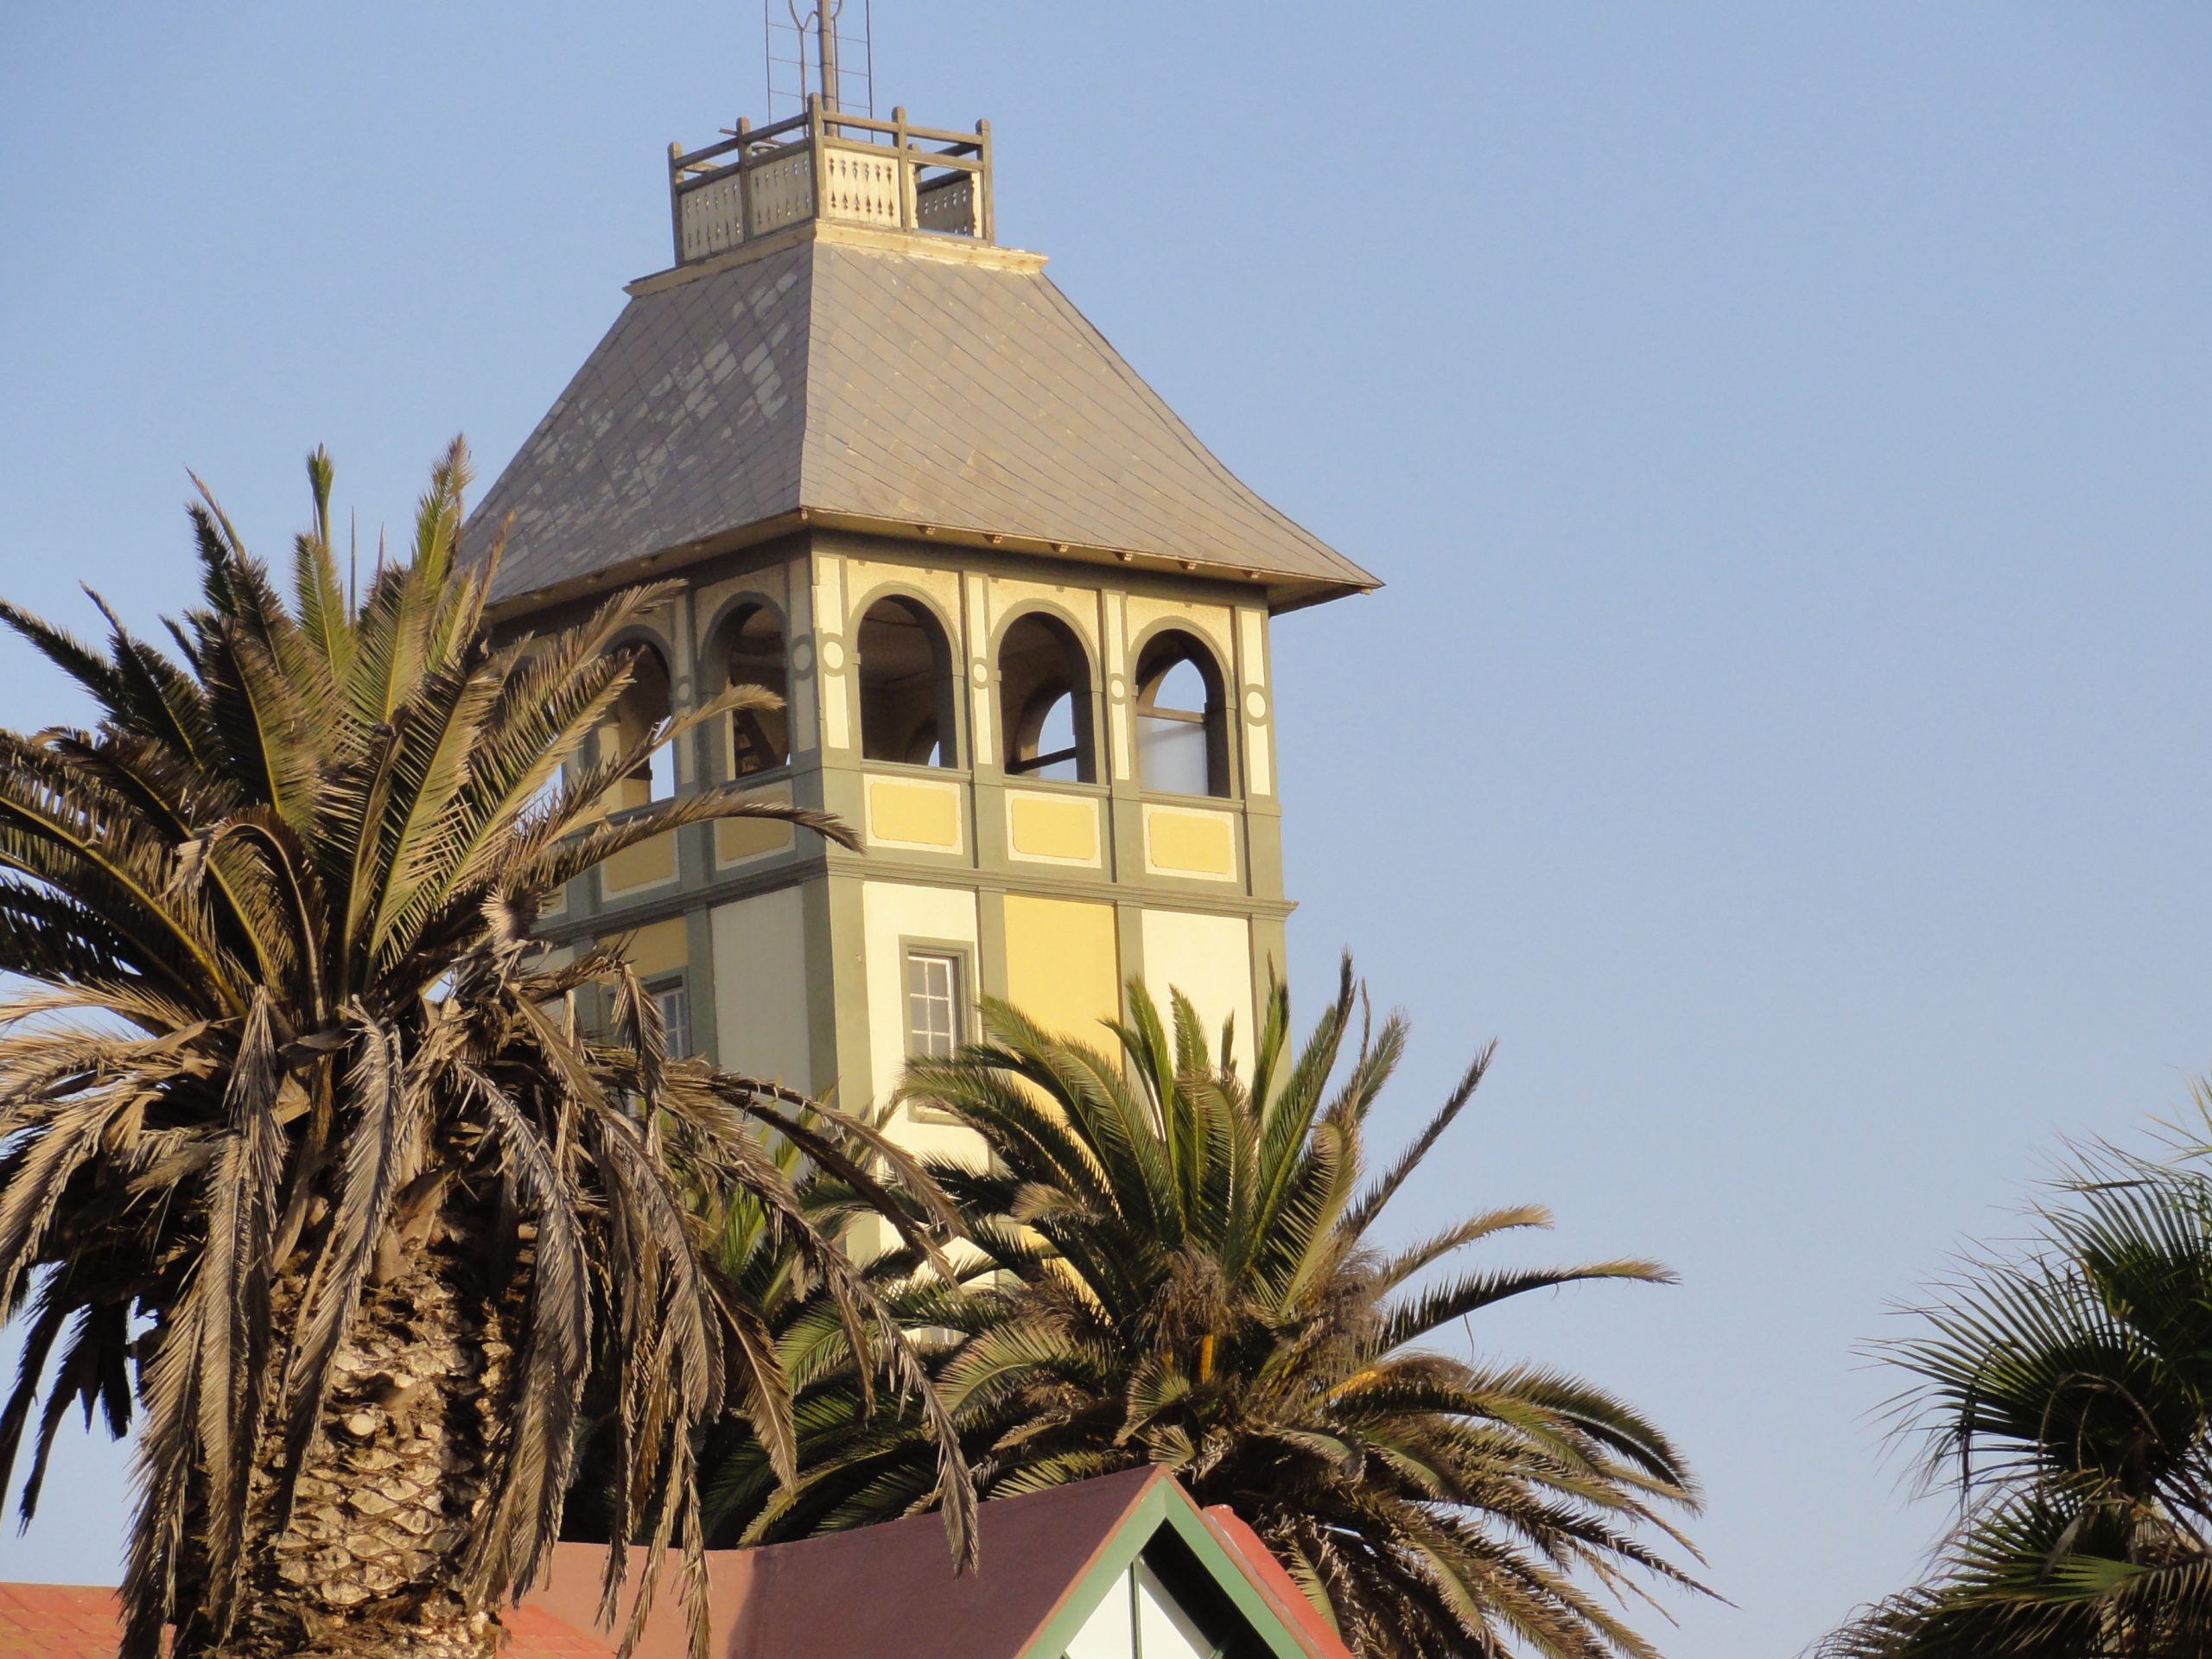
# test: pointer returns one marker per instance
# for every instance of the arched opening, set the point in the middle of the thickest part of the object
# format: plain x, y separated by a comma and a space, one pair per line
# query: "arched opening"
641, 708
908, 711
1182, 723
1044, 702
756, 653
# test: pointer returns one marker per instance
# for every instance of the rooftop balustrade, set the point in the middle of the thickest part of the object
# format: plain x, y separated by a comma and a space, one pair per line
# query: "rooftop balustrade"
823, 163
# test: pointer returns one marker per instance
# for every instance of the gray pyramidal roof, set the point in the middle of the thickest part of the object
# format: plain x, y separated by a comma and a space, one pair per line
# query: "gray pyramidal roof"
854, 380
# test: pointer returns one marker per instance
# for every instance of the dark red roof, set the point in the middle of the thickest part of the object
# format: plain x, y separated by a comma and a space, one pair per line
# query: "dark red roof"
888, 1589
76, 1621
58, 1621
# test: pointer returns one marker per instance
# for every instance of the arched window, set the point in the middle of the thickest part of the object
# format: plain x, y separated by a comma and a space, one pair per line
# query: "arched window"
1182, 724
641, 708
1045, 701
908, 712
755, 655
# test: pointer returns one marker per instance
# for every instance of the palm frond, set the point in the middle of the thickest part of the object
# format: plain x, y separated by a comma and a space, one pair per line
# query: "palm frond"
284, 1129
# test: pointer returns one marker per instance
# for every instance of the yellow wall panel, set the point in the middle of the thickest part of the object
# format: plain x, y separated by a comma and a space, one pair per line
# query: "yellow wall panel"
913, 813
1182, 843
738, 839
1063, 829
663, 948
647, 864
1063, 968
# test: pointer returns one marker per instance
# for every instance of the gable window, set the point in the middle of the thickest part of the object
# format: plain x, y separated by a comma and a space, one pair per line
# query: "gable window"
760, 739
1182, 725
907, 702
1044, 702
1141, 1616
935, 1015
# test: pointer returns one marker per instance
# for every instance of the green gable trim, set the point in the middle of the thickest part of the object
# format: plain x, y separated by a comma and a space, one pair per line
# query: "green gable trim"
1162, 1504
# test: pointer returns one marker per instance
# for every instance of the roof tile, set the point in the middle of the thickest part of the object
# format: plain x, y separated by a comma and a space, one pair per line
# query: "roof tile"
866, 381
71, 1621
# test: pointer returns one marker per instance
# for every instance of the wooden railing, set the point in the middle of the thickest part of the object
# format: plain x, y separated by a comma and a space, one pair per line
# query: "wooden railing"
825, 164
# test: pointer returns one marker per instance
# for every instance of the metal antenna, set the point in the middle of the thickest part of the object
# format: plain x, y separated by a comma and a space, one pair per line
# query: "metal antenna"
825, 28
815, 48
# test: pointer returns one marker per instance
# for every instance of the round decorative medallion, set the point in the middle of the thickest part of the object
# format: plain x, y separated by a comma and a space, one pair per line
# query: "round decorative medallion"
979, 672
1256, 703
1117, 687
803, 657
833, 656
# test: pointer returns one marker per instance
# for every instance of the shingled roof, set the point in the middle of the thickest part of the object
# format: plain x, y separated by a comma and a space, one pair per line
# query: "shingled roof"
75, 1621
892, 1589
881, 382
879, 1591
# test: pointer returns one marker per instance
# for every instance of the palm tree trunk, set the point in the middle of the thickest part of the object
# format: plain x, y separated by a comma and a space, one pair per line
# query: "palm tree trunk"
370, 1563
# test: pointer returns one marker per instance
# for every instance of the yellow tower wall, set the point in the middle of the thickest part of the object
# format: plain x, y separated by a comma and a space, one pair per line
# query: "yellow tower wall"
1209, 959
760, 988
893, 915
1062, 967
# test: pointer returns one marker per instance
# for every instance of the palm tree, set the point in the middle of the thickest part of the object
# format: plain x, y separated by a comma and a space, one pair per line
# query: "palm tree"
309, 1169
1178, 1265
2064, 1398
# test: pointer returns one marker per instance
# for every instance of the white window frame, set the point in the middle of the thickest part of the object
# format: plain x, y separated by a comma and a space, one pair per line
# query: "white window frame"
678, 1031
953, 999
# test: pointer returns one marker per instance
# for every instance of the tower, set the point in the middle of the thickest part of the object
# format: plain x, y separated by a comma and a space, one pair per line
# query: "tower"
1018, 615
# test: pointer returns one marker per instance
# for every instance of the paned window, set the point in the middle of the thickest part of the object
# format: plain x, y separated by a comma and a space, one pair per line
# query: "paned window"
675, 1016
933, 1012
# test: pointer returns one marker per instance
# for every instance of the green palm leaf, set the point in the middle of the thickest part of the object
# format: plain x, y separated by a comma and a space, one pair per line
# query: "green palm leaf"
1173, 1269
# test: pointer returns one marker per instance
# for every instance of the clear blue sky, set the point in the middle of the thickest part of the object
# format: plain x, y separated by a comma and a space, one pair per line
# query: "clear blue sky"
1783, 427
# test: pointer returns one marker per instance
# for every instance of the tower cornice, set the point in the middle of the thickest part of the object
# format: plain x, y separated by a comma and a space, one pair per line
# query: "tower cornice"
984, 256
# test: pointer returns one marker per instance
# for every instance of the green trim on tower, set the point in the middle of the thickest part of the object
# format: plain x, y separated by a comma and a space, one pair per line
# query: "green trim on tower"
979, 594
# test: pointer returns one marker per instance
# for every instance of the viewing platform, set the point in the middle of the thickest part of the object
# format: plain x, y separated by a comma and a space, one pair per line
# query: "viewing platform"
824, 163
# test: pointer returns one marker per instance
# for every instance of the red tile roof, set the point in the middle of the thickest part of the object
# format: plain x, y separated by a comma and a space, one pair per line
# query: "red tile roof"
76, 1621
58, 1621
